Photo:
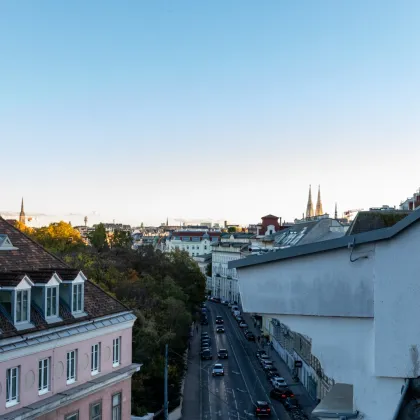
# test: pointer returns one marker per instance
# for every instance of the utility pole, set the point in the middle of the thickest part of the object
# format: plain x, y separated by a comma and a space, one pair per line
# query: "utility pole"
165, 389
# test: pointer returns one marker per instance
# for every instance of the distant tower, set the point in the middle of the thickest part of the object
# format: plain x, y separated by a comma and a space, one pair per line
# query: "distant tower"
309, 206
318, 210
86, 220
167, 222
22, 217
335, 212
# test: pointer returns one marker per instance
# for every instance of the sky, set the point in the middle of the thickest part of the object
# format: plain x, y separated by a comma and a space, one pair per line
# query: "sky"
136, 111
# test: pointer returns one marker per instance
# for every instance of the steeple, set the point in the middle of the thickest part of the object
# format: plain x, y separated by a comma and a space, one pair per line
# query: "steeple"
335, 212
167, 221
22, 218
309, 206
318, 210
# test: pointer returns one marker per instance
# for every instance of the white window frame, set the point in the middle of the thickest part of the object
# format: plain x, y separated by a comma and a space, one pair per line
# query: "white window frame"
95, 416
71, 367
73, 416
44, 382
75, 308
11, 399
20, 304
116, 352
54, 308
117, 408
95, 363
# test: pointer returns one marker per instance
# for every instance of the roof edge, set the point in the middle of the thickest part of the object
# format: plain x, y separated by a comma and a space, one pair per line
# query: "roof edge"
330, 245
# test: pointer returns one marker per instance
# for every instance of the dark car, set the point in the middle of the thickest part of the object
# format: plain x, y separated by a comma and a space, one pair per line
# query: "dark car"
222, 354
260, 353
291, 404
206, 354
219, 319
271, 371
204, 321
262, 409
280, 394
220, 329
215, 299
205, 343
205, 335
250, 336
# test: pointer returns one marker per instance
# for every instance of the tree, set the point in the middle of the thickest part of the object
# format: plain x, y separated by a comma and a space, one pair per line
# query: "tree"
98, 237
231, 229
120, 239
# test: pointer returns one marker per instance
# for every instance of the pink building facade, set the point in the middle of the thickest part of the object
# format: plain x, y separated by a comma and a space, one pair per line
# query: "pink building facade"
65, 344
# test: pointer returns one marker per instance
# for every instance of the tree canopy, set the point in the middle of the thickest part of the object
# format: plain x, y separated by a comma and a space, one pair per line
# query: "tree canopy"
164, 290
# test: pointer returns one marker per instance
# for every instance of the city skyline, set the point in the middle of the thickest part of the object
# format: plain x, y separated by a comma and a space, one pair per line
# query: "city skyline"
228, 111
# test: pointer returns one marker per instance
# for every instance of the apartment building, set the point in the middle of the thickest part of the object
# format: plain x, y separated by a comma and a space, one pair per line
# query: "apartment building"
195, 242
65, 344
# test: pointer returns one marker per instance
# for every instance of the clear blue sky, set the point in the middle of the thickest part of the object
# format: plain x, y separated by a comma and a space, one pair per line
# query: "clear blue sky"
224, 109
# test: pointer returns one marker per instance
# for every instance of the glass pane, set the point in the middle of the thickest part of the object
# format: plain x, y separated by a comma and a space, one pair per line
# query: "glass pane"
49, 302
14, 385
25, 306
40, 375
45, 373
18, 306
79, 298
8, 383
54, 301
74, 298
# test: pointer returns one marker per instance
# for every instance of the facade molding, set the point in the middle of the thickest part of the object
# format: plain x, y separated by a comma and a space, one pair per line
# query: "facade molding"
73, 394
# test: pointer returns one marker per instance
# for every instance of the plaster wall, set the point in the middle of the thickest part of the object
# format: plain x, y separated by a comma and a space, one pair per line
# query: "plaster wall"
323, 284
397, 305
105, 397
345, 348
28, 375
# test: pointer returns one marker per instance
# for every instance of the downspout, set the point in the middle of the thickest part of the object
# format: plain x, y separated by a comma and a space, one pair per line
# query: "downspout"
403, 394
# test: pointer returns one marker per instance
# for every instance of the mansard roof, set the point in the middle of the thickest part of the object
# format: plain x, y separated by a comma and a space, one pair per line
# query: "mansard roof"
34, 262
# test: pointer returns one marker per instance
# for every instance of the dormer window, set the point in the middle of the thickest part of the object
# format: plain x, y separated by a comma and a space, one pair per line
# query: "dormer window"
77, 298
22, 305
51, 302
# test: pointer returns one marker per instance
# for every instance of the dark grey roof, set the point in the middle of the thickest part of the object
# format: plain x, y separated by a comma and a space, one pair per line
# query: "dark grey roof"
329, 245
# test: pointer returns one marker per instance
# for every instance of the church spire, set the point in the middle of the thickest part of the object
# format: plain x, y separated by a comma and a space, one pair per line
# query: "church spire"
335, 212
309, 206
318, 210
22, 218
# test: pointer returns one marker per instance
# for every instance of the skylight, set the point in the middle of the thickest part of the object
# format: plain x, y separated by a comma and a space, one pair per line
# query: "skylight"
5, 243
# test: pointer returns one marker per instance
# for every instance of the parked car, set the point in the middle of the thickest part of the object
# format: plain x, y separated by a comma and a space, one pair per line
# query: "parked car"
206, 354
271, 372
250, 336
280, 394
260, 353
236, 313
205, 341
230, 304
204, 321
262, 409
219, 319
263, 358
278, 381
239, 319
225, 302
218, 370
215, 299
220, 329
205, 335
291, 404
234, 308
243, 324
222, 354
266, 364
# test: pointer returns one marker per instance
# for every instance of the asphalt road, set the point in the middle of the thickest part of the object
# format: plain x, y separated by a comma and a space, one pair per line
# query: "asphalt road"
234, 395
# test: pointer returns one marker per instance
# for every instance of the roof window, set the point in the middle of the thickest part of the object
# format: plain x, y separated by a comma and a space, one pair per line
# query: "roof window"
6, 243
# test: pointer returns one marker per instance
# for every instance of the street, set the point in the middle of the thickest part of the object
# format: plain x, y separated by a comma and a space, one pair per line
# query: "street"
233, 395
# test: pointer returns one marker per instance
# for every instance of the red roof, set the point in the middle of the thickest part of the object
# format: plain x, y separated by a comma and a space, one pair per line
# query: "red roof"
269, 216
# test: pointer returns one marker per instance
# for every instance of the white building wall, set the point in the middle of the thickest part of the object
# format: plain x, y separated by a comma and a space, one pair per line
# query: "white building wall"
193, 248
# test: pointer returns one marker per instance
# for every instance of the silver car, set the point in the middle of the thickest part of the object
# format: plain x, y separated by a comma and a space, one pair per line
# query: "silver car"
218, 370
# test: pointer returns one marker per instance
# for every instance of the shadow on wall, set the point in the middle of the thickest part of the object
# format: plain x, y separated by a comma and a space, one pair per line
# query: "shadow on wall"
410, 408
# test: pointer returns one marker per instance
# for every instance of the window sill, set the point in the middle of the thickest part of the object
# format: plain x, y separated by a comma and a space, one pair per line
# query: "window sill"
53, 319
71, 381
25, 325
43, 392
94, 372
12, 403
79, 314
115, 364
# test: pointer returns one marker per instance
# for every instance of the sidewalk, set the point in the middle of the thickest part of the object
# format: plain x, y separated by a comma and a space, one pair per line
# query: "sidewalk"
302, 395
192, 387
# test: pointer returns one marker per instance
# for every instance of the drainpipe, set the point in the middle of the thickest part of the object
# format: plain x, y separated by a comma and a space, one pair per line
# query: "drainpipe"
403, 394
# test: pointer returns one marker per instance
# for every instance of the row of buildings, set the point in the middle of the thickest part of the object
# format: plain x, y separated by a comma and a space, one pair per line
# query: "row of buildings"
339, 303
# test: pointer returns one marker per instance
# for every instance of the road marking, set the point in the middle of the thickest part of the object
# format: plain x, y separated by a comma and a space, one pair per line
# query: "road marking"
256, 374
229, 390
240, 390
248, 414
236, 404
236, 373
